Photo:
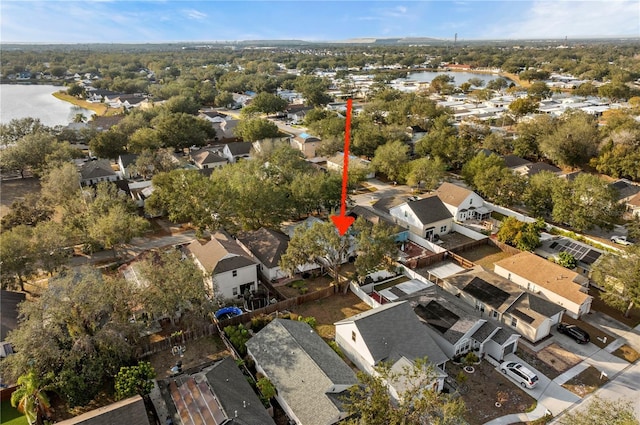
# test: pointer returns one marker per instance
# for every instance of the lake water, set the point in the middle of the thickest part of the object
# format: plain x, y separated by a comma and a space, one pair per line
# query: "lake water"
37, 101
460, 77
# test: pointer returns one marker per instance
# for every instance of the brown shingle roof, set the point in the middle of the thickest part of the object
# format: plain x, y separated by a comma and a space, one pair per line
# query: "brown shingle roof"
266, 244
545, 274
452, 194
220, 254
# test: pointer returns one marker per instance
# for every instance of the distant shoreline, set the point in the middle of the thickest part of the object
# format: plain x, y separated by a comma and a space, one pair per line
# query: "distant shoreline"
99, 108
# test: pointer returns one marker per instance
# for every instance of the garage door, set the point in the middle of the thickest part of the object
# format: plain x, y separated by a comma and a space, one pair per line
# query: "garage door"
509, 348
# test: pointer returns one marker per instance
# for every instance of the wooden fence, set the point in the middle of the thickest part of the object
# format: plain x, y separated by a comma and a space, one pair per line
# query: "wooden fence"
503, 247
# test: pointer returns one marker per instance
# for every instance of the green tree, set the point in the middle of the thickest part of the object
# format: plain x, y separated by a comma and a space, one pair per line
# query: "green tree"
585, 203
530, 132
538, 193
619, 275
224, 99
17, 256
426, 173
253, 129
60, 185
313, 89
600, 411
29, 211
76, 335
180, 130
539, 90
29, 153
614, 91
574, 142
320, 244
376, 246
182, 104
143, 139
523, 106
369, 402
116, 227
49, 242
132, 380
31, 399
478, 164
391, 159
524, 236
442, 84
76, 90
17, 128
567, 260
109, 144
267, 389
267, 103
170, 285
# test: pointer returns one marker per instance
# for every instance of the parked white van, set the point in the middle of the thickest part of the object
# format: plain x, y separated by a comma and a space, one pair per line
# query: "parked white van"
521, 374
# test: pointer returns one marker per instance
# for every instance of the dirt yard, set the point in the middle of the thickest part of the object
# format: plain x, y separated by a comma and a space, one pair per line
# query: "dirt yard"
598, 305
586, 382
485, 255
329, 310
627, 353
558, 358
483, 387
598, 336
14, 189
197, 352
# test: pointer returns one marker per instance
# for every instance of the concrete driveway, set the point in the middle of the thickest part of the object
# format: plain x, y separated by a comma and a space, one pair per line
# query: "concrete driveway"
548, 393
581, 350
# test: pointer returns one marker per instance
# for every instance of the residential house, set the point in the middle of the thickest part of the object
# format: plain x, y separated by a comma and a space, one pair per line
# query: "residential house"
306, 144
218, 394
241, 100
457, 328
213, 116
93, 172
462, 203
9, 301
391, 333
232, 271
503, 301
225, 131
633, 205
130, 411
236, 151
427, 217
309, 377
513, 161
208, 158
534, 168
126, 163
336, 163
140, 191
266, 246
585, 255
375, 217
625, 190
296, 113
552, 281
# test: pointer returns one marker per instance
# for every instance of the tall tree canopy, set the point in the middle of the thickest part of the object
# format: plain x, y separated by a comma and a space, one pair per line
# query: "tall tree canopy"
619, 275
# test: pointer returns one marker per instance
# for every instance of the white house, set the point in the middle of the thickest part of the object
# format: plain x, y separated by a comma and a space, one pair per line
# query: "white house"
309, 377
428, 217
390, 333
336, 163
462, 203
233, 272
493, 296
552, 281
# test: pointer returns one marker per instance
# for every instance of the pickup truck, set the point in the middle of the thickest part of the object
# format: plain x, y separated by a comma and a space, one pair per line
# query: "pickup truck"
622, 240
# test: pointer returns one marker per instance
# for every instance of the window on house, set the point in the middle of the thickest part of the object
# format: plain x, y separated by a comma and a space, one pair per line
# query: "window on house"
405, 213
443, 229
514, 322
353, 335
235, 291
471, 201
494, 314
234, 273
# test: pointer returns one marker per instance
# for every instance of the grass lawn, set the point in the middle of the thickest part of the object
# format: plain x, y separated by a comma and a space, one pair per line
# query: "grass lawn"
329, 310
10, 415
485, 255
586, 382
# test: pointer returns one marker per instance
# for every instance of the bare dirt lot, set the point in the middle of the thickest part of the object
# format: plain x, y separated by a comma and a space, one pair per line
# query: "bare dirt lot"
586, 382
303, 286
558, 358
483, 387
485, 255
329, 310
11, 190
197, 352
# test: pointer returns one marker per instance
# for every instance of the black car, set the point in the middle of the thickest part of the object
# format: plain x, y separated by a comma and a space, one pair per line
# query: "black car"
580, 335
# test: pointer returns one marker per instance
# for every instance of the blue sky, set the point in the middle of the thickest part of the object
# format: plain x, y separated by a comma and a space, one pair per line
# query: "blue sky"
119, 21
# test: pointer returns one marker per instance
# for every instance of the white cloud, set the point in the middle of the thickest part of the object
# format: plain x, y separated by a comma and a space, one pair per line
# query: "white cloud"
195, 14
547, 19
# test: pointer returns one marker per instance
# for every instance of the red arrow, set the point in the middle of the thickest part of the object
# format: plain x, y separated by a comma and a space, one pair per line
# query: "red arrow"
343, 221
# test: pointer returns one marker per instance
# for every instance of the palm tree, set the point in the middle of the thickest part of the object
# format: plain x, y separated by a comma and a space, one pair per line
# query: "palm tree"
30, 398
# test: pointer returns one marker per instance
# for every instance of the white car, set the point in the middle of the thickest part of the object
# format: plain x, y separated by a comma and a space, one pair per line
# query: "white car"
622, 240
520, 374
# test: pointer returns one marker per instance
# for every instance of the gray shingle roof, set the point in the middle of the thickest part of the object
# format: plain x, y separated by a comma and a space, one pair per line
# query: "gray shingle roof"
484, 331
429, 210
302, 367
130, 411
94, 169
266, 244
9, 301
393, 331
235, 394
